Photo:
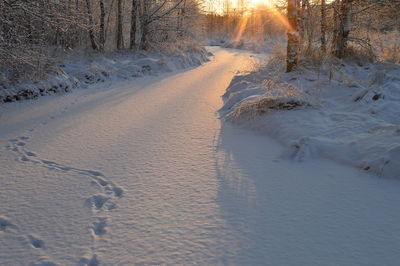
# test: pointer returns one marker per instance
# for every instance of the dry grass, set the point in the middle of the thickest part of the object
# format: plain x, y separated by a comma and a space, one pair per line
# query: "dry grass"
278, 96
387, 46
251, 109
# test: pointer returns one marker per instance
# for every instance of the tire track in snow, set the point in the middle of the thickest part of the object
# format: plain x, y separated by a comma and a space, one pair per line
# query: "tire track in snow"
100, 204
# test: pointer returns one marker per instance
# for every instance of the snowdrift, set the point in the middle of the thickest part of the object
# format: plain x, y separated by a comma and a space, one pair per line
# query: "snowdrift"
343, 111
81, 71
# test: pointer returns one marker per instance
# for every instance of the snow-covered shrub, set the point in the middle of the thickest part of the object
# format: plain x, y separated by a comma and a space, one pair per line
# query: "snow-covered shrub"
250, 95
261, 105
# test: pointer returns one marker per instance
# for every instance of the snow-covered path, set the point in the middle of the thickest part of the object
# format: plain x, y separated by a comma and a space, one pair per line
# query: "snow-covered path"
145, 173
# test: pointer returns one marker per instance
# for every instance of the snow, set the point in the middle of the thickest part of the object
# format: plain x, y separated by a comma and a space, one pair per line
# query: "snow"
77, 70
143, 171
255, 45
346, 112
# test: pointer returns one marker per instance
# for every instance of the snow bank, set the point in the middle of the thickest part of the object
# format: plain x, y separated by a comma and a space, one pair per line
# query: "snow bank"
343, 111
80, 71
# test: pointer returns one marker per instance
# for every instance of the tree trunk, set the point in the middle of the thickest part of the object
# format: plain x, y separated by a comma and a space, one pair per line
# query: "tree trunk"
343, 30
91, 32
323, 26
102, 34
144, 26
134, 13
144, 42
293, 36
301, 18
120, 38
181, 18
309, 25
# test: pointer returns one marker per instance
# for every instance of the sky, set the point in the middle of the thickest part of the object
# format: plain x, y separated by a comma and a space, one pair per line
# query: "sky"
221, 4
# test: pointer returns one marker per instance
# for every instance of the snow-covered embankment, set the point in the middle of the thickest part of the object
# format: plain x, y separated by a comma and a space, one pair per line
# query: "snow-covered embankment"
81, 71
343, 111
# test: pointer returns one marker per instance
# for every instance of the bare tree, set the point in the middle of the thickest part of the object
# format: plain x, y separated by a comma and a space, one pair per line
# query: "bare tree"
144, 25
134, 20
120, 36
102, 33
323, 26
91, 25
343, 27
293, 36
151, 12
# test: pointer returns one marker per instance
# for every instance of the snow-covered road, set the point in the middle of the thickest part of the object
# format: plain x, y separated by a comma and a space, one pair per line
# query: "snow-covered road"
143, 172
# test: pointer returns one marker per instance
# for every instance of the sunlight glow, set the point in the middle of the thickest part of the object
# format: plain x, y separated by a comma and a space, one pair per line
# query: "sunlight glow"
241, 27
282, 18
255, 3
221, 5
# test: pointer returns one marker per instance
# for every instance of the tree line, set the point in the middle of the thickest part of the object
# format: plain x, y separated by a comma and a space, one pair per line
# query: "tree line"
329, 27
30, 29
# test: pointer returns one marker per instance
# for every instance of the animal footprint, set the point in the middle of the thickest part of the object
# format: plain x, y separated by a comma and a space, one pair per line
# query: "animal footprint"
36, 242
32, 154
99, 227
98, 202
116, 191
89, 262
24, 158
43, 262
5, 224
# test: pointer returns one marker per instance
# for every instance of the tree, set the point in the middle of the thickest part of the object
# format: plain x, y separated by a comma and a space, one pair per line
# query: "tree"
134, 20
91, 25
102, 33
293, 36
323, 26
153, 11
343, 27
144, 26
120, 36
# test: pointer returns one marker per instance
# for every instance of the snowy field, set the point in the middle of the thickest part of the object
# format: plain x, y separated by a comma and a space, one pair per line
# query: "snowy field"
143, 172
348, 112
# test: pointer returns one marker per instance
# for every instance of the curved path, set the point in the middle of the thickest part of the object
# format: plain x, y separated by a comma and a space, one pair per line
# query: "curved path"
144, 173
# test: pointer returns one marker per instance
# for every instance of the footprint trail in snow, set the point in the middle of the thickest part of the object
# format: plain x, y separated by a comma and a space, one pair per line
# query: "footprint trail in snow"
100, 204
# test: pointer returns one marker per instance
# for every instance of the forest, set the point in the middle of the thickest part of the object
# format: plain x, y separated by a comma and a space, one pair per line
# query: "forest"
34, 33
